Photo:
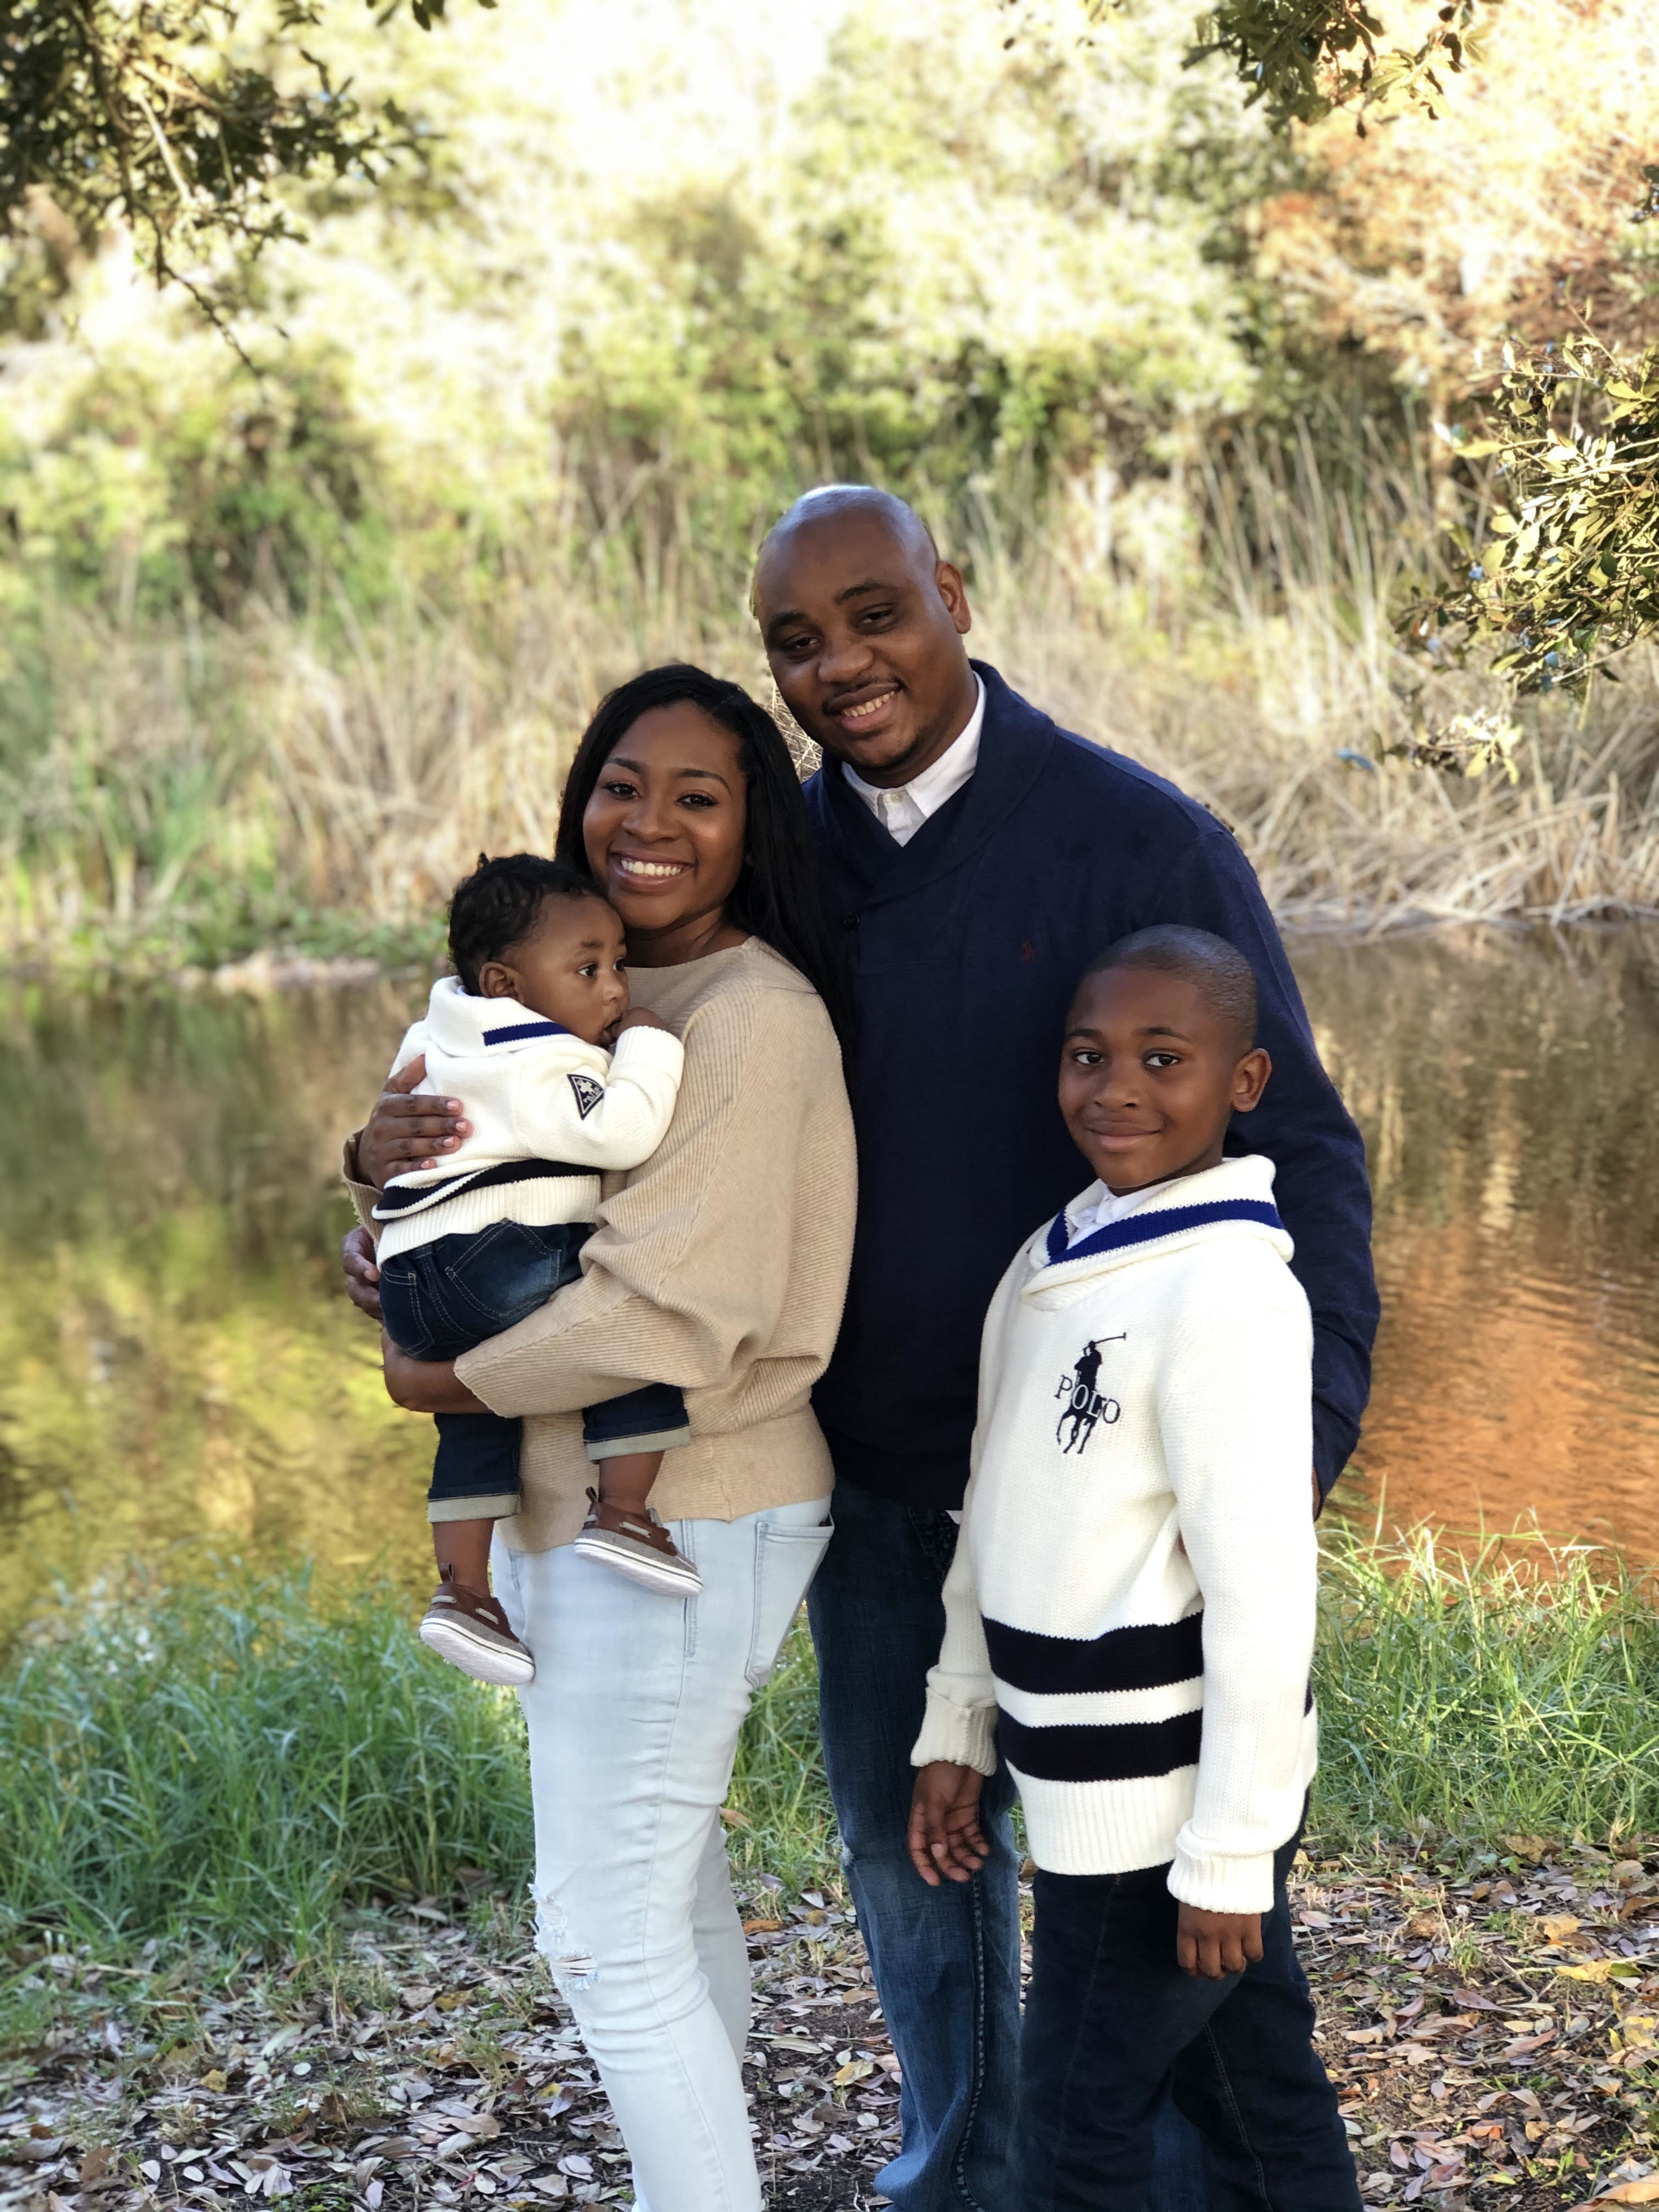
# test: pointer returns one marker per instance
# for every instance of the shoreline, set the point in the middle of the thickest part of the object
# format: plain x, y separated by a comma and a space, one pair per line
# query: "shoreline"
271, 969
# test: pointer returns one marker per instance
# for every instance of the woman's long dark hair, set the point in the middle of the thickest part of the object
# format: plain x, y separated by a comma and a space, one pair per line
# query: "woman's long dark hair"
776, 896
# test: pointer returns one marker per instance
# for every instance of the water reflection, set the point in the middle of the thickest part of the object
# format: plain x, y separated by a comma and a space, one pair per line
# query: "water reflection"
1506, 1087
176, 1360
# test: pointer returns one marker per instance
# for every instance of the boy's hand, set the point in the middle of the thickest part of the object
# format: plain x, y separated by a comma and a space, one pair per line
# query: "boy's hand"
638, 1017
944, 1835
1216, 1944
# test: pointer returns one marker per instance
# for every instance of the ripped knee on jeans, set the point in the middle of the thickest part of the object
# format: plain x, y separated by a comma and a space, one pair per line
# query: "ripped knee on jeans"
572, 1968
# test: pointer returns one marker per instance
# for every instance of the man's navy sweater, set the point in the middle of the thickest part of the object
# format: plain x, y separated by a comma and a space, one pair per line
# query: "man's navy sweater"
963, 947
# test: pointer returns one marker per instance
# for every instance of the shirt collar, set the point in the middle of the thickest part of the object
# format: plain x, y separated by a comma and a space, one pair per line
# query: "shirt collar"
929, 791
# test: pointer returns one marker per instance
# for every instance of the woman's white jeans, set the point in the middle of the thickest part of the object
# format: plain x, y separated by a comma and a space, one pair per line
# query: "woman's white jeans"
634, 1717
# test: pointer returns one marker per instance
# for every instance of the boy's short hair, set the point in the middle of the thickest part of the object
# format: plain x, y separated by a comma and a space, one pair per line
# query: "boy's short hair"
495, 907
1218, 971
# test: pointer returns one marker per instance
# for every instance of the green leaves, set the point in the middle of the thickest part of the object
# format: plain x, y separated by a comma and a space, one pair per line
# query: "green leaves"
1567, 572
1299, 59
141, 110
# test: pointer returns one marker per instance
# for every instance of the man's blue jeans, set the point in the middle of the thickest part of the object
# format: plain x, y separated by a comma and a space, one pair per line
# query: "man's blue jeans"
946, 1960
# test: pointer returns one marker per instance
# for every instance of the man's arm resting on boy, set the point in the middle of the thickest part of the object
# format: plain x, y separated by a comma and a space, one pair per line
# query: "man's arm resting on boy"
1321, 1189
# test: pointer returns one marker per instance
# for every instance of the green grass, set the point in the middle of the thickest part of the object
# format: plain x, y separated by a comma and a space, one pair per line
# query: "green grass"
1512, 1687
238, 1759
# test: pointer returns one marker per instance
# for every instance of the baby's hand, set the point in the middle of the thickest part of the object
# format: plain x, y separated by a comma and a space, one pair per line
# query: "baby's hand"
639, 1017
1216, 1944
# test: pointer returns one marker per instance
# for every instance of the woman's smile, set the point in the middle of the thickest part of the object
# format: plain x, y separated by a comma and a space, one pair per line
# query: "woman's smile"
643, 871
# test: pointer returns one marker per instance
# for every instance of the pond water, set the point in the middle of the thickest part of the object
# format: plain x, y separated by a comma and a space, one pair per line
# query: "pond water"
177, 1363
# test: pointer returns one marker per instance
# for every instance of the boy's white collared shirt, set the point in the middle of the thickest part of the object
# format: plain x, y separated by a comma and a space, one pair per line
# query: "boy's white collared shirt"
902, 812
1111, 1205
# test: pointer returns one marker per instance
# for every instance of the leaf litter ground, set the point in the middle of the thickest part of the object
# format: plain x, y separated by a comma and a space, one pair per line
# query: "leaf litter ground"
1492, 2027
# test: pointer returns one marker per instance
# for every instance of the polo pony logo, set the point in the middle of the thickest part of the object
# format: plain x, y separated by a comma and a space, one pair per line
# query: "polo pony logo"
1085, 1407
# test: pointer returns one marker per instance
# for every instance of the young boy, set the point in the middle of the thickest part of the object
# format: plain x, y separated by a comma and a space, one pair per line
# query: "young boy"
1130, 1616
520, 1033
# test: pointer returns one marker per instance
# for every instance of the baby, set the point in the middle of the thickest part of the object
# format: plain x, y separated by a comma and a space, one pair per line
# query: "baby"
561, 1080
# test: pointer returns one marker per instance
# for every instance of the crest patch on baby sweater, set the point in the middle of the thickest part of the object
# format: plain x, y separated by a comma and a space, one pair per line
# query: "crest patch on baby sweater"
589, 1093
1086, 1407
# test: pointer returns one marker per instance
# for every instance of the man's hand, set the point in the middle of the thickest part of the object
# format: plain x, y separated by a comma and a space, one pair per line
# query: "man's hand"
1318, 1496
426, 1386
944, 1833
1216, 1944
403, 1134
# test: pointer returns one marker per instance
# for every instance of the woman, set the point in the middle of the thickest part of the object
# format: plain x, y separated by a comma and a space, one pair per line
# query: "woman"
720, 1266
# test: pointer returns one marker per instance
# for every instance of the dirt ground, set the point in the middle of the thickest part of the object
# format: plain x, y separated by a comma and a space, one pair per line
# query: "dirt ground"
1492, 2027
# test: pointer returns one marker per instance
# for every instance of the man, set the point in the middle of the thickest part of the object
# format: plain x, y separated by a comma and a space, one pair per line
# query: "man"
977, 857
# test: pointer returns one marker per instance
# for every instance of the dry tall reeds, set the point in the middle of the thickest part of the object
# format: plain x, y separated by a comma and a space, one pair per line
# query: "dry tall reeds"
322, 783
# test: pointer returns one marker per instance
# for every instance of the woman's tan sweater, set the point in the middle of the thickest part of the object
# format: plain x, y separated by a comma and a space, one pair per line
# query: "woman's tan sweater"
721, 1264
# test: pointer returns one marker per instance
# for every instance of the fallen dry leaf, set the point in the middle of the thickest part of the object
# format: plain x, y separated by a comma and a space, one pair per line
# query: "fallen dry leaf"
856, 2070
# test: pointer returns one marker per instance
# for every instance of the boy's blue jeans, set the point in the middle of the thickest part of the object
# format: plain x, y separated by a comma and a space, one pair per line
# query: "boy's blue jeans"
946, 1960
1113, 2026
443, 1298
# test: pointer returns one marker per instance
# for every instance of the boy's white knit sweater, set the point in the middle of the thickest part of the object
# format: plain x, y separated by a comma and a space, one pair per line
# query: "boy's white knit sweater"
536, 1096
1131, 1607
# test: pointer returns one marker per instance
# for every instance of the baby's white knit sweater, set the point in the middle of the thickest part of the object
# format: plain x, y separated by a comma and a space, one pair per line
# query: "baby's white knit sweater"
1130, 1612
549, 1114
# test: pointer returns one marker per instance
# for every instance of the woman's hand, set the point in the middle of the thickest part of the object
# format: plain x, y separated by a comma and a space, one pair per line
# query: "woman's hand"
403, 1134
425, 1386
363, 1277
944, 1834
1216, 1944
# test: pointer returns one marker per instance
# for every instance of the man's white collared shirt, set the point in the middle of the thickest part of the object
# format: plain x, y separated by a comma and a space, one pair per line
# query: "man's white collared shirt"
902, 812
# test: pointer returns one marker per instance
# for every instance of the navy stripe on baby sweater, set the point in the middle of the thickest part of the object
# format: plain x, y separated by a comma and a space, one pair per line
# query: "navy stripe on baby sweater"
518, 1029
1127, 1753
415, 1197
1149, 1657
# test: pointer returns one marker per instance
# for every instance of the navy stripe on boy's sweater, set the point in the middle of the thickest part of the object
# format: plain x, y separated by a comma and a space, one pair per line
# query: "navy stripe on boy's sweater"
1128, 1752
1149, 1655
1147, 1228
963, 947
